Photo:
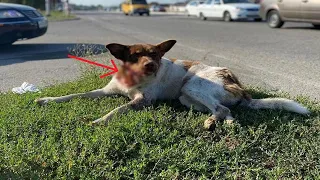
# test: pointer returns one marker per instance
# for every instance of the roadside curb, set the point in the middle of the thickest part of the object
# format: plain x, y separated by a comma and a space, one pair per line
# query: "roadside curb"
62, 20
169, 13
151, 12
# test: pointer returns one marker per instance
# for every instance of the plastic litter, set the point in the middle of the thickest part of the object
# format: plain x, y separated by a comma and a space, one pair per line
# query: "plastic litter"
25, 87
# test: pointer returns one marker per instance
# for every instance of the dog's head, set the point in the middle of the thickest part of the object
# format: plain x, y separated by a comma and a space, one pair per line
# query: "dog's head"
140, 61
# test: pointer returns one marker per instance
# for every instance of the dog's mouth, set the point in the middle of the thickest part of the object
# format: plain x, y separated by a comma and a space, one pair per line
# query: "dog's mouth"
130, 77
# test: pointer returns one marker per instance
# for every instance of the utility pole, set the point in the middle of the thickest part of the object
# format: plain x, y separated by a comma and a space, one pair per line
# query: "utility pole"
47, 5
66, 7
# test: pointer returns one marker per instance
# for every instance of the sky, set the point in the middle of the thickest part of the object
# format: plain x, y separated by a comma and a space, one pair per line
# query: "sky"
113, 2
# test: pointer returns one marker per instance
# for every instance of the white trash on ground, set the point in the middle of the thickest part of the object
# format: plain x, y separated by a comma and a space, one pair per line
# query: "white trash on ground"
25, 87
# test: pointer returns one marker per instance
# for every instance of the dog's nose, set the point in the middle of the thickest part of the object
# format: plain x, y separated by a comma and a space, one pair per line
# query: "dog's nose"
150, 67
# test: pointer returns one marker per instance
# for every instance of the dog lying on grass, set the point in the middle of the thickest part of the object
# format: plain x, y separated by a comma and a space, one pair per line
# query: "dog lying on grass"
146, 76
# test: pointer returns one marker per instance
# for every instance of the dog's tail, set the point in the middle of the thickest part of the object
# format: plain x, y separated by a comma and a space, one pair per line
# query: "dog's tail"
277, 103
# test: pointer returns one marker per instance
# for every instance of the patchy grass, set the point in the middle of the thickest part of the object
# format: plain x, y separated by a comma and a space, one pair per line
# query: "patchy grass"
58, 16
165, 141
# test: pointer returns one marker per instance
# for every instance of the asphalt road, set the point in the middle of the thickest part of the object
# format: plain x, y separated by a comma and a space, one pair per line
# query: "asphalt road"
286, 59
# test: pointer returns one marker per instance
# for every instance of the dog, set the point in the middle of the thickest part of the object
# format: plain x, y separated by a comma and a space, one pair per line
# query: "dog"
146, 76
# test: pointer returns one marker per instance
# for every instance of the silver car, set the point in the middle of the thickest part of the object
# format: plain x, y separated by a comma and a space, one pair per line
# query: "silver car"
276, 12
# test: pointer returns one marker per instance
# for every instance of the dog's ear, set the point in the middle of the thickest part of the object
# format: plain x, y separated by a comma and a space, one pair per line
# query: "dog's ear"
166, 46
119, 51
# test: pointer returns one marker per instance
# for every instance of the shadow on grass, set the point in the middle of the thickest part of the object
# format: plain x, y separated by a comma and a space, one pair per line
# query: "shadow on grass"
35, 172
8, 174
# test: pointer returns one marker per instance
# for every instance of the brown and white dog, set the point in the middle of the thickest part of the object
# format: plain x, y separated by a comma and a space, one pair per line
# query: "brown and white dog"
146, 76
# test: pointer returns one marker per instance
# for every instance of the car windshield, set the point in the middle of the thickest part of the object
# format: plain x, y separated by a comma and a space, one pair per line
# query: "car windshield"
139, 2
235, 1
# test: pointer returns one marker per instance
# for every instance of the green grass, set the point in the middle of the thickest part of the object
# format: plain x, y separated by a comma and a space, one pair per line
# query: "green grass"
58, 16
165, 141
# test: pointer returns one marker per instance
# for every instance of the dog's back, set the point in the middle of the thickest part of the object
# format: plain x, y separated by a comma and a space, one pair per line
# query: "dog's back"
168, 81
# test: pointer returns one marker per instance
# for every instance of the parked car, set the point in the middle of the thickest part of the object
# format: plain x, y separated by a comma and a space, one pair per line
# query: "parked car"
157, 8
276, 12
192, 8
20, 22
131, 7
229, 10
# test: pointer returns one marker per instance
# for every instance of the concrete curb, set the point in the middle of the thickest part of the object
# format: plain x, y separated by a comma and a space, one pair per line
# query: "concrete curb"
62, 20
168, 13
151, 13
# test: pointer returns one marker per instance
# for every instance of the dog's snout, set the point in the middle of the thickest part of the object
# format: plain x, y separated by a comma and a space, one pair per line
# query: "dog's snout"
151, 66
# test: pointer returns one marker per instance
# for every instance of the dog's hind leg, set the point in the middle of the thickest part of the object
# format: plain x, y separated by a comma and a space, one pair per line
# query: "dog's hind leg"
229, 119
189, 103
221, 113
205, 101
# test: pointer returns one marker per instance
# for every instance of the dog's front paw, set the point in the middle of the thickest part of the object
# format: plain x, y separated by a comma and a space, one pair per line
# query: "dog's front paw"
96, 122
104, 120
43, 101
229, 122
99, 122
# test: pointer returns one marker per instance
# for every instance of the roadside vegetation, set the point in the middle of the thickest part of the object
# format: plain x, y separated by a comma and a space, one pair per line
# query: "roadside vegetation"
58, 16
165, 141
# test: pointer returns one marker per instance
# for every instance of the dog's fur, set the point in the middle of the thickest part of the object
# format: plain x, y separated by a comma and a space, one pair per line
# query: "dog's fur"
146, 76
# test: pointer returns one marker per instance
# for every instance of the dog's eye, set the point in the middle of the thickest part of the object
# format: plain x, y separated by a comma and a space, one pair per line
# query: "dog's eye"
137, 54
153, 54
133, 58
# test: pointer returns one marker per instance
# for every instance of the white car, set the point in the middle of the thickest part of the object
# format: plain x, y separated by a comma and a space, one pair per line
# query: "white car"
192, 8
229, 10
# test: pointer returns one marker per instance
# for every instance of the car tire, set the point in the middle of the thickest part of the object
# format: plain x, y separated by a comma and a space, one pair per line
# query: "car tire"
126, 14
317, 26
258, 20
202, 17
227, 16
274, 19
148, 14
188, 14
140, 14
